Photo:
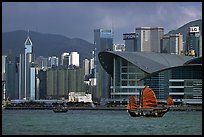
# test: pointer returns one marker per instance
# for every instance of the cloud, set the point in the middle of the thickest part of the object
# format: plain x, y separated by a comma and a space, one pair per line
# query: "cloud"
79, 19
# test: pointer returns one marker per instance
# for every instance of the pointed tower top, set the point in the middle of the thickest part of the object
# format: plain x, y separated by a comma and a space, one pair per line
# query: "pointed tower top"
28, 41
28, 32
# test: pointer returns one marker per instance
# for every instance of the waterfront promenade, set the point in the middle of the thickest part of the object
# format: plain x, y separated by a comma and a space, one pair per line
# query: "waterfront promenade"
173, 108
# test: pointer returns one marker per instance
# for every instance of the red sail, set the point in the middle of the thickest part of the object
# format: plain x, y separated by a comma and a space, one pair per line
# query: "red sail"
132, 103
148, 98
169, 101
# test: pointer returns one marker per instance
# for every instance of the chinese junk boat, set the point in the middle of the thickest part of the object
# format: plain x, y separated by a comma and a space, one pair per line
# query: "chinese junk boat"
148, 105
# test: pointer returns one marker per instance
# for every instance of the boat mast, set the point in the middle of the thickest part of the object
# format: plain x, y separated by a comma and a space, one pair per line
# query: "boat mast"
140, 98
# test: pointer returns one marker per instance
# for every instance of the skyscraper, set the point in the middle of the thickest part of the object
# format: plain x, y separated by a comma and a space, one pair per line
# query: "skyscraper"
28, 60
3, 77
53, 61
27, 70
74, 59
103, 40
65, 59
130, 41
194, 41
148, 39
172, 44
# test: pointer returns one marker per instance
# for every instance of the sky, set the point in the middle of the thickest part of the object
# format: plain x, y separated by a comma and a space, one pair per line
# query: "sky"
79, 19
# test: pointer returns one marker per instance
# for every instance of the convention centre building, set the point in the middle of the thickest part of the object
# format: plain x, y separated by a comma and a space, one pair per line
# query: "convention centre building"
167, 74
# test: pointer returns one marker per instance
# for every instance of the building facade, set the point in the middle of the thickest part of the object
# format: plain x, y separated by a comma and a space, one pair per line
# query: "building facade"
130, 41
56, 83
74, 59
194, 41
53, 61
172, 44
65, 59
103, 41
149, 39
167, 74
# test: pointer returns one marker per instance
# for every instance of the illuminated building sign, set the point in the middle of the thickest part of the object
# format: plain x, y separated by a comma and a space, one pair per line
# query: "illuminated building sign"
193, 29
106, 34
128, 36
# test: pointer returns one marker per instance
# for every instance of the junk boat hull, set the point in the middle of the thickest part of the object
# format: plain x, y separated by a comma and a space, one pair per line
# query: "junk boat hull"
147, 113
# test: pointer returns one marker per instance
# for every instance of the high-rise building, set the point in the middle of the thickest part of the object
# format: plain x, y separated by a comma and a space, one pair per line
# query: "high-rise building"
26, 73
42, 62
130, 41
148, 39
86, 67
11, 77
3, 77
193, 41
172, 44
3, 67
65, 59
28, 61
118, 47
74, 59
103, 41
60, 81
53, 61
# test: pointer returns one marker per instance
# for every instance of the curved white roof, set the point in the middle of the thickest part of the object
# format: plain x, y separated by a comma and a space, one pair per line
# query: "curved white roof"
147, 61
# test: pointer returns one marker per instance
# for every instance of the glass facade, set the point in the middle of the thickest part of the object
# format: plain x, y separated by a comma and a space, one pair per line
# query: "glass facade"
125, 80
183, 83
103, 41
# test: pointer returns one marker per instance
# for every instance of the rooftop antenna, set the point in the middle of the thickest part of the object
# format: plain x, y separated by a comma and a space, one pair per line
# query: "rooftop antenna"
112, 27
28, 32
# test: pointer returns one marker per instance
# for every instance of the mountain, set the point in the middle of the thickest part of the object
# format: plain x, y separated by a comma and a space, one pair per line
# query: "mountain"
45, 44
184, 29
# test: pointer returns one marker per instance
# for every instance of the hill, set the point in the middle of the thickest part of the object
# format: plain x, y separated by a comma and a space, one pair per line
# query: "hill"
184, 29
45, 44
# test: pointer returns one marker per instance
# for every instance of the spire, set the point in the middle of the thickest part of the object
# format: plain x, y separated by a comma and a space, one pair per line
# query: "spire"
28, 33
28, 41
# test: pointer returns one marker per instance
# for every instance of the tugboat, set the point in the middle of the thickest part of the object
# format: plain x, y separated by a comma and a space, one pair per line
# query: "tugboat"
60, 108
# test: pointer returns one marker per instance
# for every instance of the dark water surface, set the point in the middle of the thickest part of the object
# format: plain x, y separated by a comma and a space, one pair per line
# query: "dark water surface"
99, 122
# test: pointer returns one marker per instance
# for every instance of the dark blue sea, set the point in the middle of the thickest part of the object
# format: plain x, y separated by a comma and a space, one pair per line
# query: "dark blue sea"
99, 122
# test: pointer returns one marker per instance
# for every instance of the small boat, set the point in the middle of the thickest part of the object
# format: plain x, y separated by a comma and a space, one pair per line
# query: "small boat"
148, 105
3, 107
60, 108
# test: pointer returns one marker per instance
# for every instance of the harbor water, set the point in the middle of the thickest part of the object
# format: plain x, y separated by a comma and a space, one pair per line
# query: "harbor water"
99, 122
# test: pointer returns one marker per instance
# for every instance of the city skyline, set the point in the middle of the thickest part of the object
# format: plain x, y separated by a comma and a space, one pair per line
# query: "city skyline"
79, 19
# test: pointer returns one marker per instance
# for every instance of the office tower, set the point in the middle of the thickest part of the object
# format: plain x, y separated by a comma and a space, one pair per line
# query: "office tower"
74, 59
53, 61
65, 59
118, 47
21, 73
28, 61
103, 41
172, 44
193, 41
130, 41
3, 77
92, 66
11, 76
26, 73
3, 67
86, 67
41, 62
32, 82
148, 39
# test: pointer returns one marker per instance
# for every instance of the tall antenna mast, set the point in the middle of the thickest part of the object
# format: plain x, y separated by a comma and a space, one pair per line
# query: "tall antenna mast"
28, 32
112, 26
